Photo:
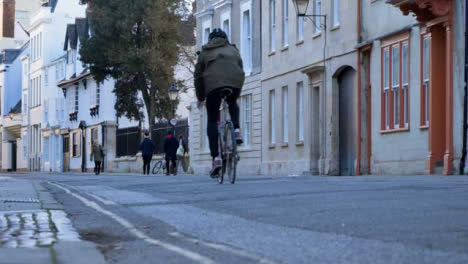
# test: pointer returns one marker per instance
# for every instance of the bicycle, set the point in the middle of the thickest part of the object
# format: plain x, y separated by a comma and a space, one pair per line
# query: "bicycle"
227, 142
159, 167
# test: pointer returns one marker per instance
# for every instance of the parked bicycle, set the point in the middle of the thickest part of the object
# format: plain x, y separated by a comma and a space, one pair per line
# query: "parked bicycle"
159, 167
227, 142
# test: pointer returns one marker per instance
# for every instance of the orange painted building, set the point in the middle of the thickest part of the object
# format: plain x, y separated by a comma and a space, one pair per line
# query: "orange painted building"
411, 88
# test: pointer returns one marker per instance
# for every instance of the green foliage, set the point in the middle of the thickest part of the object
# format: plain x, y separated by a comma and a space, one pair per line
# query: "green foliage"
137, 44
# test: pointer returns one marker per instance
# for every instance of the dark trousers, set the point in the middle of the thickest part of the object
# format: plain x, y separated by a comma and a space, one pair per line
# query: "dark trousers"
171, 165
97, 167
147, 164
213, 102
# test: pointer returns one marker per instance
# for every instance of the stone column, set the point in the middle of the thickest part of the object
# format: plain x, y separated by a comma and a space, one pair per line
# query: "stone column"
109, 129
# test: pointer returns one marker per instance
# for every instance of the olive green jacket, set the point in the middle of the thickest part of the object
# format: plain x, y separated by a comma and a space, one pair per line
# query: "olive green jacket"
96, 153
219, 65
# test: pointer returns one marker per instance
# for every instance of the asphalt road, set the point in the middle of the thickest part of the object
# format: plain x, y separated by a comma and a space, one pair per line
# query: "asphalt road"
191, 219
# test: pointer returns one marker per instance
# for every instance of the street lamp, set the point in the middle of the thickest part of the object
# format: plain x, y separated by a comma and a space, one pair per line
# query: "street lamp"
173, 92
301, 7
301, 11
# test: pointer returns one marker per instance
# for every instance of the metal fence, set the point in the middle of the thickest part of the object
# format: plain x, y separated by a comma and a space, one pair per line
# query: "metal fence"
160, 133
129, 139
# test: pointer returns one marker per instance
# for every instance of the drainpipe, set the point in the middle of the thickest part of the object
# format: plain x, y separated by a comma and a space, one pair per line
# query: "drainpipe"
465, 106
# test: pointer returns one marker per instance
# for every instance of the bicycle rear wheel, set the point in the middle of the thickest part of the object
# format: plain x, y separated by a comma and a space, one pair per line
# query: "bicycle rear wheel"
158, 167
220, 177
233, 158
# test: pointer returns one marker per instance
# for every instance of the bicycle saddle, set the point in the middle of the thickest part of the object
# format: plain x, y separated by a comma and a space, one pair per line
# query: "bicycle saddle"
226, 92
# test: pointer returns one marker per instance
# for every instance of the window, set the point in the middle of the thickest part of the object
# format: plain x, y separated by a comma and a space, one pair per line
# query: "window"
405, 83
285, 23
318, 13
35, 85
71, 56
426, 80
45, 149
25, 103
272, 25
226, 28
95, 96
272, 117
246, 119
46, 76
386, 87
395, 85
206, 35
300, 29
246, 41
300, 111
75, 144
336, 13
77, 98
285, 114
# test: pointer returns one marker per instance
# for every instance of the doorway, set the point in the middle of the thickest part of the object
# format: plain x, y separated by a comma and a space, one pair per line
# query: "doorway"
13, 156
347, 121
66, 153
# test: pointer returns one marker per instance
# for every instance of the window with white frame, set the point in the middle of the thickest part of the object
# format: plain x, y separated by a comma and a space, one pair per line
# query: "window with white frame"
35, 87
285, 23
299, 29
386, 90
25, 103
272, 25
226, 23
317, 13
203, 131
95, 96
272, 117
285, 114
336, 13
425, 92
247, 119
396, 85
71, 56
45, 149
405, 82
300, 111
226, 28
206, 34
246, 37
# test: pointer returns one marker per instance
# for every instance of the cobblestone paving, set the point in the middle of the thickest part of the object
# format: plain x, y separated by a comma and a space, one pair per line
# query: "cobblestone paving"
35, 228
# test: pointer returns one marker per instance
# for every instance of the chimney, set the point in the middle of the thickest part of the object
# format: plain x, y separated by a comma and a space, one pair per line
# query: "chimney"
7, 18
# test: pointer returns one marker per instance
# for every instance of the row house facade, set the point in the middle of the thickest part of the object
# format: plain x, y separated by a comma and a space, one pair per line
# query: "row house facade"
362, 87
241, 20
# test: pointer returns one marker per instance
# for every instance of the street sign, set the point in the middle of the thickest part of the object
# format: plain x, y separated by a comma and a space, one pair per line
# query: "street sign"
173, 122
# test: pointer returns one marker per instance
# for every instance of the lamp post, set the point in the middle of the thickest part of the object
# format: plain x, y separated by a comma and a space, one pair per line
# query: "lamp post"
301, 11
173, 94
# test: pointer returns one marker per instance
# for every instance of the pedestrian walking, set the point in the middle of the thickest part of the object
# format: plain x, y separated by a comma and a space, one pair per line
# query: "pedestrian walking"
147, 150
170, 148
181, 152
97, 155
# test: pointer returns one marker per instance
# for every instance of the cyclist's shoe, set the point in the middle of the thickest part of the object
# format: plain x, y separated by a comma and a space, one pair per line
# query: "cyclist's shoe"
217, 165
238, 135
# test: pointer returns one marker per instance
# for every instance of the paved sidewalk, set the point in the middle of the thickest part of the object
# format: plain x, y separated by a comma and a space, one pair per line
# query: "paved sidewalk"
35, 229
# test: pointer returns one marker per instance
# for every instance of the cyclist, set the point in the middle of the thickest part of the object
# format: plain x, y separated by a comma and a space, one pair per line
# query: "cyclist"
219, 66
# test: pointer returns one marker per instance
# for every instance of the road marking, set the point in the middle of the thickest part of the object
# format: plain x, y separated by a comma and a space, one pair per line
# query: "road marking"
239, 252
133, 230
102, 200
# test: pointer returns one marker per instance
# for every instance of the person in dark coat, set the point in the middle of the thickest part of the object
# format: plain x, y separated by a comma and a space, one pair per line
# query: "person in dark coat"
171, 144
219, 67
147, 150
97, 155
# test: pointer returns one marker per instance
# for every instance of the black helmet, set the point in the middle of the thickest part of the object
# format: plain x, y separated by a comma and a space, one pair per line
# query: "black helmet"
217, 33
